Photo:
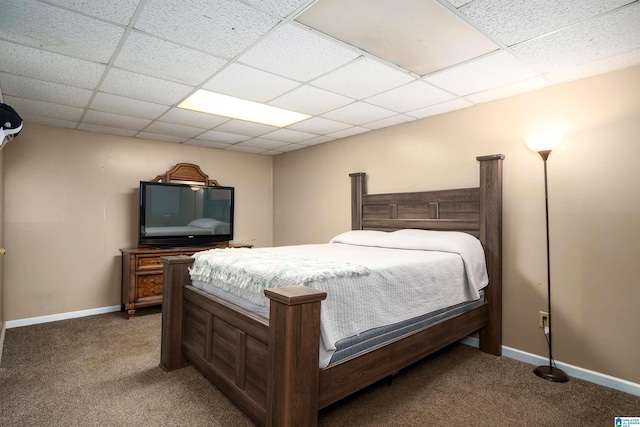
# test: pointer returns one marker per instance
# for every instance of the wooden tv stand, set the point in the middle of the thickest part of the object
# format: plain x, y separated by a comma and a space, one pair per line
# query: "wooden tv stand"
142, 275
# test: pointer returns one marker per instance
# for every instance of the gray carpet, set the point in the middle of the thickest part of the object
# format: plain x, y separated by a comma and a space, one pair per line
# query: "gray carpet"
103, 371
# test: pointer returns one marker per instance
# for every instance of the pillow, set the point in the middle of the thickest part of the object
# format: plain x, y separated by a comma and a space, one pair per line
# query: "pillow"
466, 245
407, 239
361, 237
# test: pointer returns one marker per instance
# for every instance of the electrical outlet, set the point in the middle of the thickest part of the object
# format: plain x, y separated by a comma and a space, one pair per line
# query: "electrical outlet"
543, 319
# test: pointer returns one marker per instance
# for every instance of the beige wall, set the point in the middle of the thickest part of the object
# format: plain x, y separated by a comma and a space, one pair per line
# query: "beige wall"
594, 206
71, 202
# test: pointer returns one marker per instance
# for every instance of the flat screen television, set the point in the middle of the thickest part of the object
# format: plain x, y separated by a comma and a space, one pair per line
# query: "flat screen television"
180, 215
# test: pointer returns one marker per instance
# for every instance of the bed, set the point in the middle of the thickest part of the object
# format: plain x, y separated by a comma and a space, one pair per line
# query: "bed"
231, 345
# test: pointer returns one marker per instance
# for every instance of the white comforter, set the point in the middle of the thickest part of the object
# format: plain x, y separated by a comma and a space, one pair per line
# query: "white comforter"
371, 278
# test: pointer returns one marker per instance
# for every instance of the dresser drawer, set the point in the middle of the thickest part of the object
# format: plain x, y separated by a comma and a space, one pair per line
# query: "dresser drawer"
149, 286
142, 271
148, 262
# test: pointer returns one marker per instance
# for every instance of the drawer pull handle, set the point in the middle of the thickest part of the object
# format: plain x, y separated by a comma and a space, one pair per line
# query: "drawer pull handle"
155, 261
155, 283
153, 291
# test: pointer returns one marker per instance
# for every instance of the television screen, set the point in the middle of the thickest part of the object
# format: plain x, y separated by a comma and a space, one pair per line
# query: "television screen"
185, 215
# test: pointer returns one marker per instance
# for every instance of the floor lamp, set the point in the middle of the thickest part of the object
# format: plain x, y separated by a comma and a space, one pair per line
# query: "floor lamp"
544, 143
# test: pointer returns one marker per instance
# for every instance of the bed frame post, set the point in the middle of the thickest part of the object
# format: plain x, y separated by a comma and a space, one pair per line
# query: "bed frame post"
491, 238
294, 344
176, 275
357, 191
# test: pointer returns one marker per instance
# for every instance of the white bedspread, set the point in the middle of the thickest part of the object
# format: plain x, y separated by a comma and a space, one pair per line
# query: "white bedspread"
382, 278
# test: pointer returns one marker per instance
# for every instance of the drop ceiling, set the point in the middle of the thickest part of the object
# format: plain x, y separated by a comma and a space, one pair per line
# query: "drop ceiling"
122, 66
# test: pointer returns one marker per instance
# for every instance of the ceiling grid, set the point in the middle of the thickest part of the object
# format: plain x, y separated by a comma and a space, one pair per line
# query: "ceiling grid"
122, 66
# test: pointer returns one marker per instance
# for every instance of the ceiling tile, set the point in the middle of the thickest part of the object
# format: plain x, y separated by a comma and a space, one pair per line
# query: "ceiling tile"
349, 132
119, 11
241, 127
508, 90
173, 129
492, 71
282, 8
126, 106
114, 120
288, 135
222, 27
43, 26
55, 93
348, 79
317, 140
319, 126
297, 54
44, 109
593, 68
193, 118
419, 36
144, 54
266, 144
458, 3
106, 129
412, 96
145, 88
47, 121
52, 67
248, 83
222, 137
389, 121
311, 100
290, 147
606, 35
359, 113
160, 137
445, 107
245, 149
515, 21
208, 144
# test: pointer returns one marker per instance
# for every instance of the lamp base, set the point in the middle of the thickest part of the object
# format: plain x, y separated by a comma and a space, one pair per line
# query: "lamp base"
552, 374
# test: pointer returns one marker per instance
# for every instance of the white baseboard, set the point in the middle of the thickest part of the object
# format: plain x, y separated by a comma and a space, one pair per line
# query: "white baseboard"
61, 316
571, 370
2, 331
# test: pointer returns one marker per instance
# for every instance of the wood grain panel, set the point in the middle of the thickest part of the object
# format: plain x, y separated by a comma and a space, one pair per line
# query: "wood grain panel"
224, 346
195, 329
257, 356
426, 224
442, 196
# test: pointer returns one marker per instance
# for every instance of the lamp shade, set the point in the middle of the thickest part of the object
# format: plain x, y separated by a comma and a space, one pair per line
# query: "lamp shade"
546, 141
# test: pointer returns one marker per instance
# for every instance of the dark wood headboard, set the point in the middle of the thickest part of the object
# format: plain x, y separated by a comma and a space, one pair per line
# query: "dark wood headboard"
477, 211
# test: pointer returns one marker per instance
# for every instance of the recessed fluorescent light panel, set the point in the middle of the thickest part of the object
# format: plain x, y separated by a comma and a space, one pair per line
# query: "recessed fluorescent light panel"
228, 106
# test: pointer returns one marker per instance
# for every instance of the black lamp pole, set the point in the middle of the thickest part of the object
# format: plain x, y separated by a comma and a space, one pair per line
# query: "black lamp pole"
550, 373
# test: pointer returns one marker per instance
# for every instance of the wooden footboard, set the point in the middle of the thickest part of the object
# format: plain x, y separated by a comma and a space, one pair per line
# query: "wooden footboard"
231, 345
270, 368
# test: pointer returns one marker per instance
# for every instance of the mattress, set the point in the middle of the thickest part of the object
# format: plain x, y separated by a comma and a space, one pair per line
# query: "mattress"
372, 279
362, 342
